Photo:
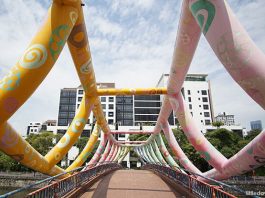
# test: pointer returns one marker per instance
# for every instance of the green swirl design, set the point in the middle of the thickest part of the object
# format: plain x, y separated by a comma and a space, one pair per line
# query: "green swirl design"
205, 155
203, 5
58, 39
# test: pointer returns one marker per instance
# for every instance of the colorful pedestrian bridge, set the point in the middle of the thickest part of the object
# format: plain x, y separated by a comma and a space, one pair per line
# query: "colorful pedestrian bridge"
65, 23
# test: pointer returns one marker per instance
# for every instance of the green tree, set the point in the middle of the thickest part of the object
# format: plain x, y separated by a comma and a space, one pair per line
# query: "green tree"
7, 163
81, 143
217, 124
43, 142
252, 134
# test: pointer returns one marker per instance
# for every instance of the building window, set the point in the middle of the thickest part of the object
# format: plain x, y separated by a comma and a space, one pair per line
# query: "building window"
72, 101
204, 92
199, 98
111, 99
201, 121
80, 91
190, 106
103, 106
73, 94
103, 99
64, 93
205, 99
64, 107
62, 122
191, 113
71, 107
189, 98
64, 100
147, 104
146, 111
206, 114
200, 106
63, 114
110, 121
110, 114
205, 106
111, 106
188, 92
147, 97
79, 99
207, 122
71, 114
200, 113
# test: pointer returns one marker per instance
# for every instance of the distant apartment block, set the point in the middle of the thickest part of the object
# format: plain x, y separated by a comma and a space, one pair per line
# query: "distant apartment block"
37, 127
226, 119
256, 125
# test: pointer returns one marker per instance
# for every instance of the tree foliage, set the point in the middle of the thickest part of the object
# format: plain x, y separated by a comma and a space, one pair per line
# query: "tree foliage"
81, 143
43, 142
217, 124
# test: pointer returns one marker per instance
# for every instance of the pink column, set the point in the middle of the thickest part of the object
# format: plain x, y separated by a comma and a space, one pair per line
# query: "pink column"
235, 49
99, 150
106, 152
186, 42
194, 135
114, 153
178, 152
110, 153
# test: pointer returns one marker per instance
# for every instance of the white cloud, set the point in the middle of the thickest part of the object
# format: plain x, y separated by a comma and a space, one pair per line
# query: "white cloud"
106, 27
136, 4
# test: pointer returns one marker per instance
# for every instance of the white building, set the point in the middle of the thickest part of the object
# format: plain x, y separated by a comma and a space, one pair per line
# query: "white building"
226, 119
34, 128
196, 91
37, 127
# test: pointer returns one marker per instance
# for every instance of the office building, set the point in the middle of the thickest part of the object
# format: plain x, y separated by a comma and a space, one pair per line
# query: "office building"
70, 100
256, 125
139, 110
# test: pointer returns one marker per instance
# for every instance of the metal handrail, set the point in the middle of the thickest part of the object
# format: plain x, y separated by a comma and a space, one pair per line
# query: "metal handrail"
64, 186
49, 180
191, 182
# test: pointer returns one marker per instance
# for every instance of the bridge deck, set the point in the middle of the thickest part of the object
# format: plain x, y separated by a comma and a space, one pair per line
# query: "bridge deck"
131, 183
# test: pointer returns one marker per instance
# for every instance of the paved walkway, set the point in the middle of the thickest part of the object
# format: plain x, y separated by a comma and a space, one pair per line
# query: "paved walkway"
131, 184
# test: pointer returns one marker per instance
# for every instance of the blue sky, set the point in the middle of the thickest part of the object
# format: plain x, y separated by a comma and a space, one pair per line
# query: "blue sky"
132, 45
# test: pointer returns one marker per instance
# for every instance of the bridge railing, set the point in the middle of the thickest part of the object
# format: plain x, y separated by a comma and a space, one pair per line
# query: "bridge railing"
64, 186
197, 187
56, 187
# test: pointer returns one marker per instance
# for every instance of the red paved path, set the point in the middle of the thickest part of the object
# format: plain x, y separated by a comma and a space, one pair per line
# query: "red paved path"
131, 184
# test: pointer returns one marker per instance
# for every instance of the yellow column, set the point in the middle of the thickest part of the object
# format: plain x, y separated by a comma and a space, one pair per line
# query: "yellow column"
19, 149
26, 76
79, 161
38, 59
